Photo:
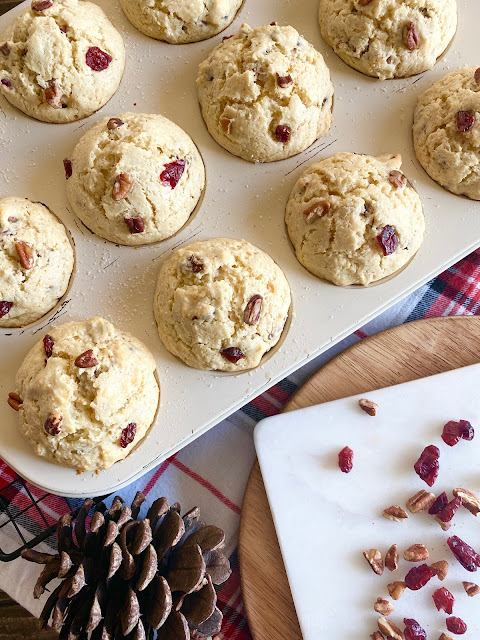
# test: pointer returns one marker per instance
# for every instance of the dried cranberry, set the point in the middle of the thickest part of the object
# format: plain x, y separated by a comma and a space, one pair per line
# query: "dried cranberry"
411, 36
439, 504
41, 5
284, 81
413, 631
48, 345
418, 577
135, 225
345, 460
477, 76
6, 83
454, 431
449, 510
114, 123
443, 599
128, 435
467, 557
67, 165
388, 240
195, 264
233, 354
5, 49
283, 133
172, 173
427, 466
5, 307
456, 626
52, 425
86, 360
465, 121
97, 59
467, 432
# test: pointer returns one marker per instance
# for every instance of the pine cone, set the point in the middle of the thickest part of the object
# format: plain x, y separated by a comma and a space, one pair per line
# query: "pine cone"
137, 578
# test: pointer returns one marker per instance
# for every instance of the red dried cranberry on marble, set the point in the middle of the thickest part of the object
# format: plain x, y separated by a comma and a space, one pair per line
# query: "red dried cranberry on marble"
67, 165
440, 503
172, 173
283, 133
5, 307
449, 510
456, 626
97, 59
418, 577
388, 240
413, 631
128, 435
443, 599
467, 432
345, 460
427, 466
467, 557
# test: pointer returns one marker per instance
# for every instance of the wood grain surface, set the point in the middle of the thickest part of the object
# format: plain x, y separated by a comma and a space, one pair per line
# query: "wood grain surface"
408, 352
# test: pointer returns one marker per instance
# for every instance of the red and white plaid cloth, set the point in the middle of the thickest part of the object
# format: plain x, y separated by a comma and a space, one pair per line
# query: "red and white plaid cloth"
212, 472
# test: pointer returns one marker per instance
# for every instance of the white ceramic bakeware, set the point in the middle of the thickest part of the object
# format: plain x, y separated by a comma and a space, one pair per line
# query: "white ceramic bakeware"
242, 201
325, 518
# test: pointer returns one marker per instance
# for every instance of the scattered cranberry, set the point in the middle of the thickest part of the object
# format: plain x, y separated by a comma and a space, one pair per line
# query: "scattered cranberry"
233, 354
439, 504
456, 626
345, 460
5, 49
5, 307
418, 577
388, 240
6, 83
97, 59
443, 599
454, 431
172, 173
468, 557
67, 165
427, 466
477, 76
283, 133
128, 435
86, 360
413, 631
284, 81
48, 345
411, 36
135, 225
449, 510
465, 121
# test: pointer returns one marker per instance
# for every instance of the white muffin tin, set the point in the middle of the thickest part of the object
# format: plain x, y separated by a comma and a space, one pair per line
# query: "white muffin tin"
241, 201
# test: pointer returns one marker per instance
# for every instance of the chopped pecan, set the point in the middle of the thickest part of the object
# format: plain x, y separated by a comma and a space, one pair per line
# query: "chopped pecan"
421, 501
383, 607
317, 210
135, 225
445, 636
375, 560
471, 589
441, 567
5, 49
469, 500
195, 264
122, 186
389, 629
396, 589
411, 36
226, 124
391, 559
395, 513
14, 400
253, 310
376, 635
25, 254
86, 360
416, 553
284, 81
52, 425
368, 406
397, 179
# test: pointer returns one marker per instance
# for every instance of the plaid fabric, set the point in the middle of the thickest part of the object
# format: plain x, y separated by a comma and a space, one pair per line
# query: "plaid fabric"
212, 471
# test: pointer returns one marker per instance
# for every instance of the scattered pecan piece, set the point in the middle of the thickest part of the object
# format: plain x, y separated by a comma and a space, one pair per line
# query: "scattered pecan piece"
86, 360
195, 264
416, 553
368, 406
469, 500
52, 425
389, 629
284, 81
226, 124
41, 5
5, 49
128, 435
317, 210
135, 225
391, 559
253, 310
375, 560
376, 635
14, 400
445, 636
114, 123
465, 121
397, 179
411, 36
97, 59
67, 165
5, 307
396, 589
48, 345
51, 96
122, 186
25, 254
421, 501
383, 607
233, 354
395, 513
471, 589
441, 567
283, 133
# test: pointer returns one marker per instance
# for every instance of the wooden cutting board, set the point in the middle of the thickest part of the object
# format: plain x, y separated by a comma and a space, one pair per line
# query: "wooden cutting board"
407, 352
